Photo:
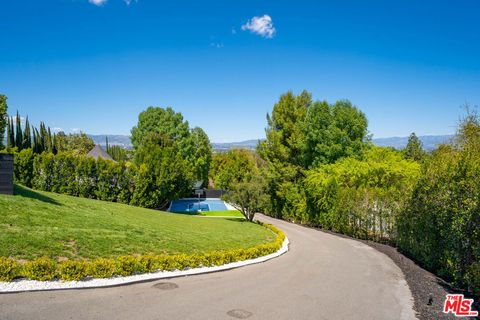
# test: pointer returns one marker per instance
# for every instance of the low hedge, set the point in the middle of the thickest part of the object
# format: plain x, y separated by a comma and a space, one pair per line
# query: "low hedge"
45, 268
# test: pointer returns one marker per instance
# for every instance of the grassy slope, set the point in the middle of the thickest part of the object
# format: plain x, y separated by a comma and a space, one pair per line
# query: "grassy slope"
225, 213
36, 223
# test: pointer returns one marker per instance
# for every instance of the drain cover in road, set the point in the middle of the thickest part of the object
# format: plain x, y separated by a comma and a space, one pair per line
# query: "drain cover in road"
239, 314
165, 286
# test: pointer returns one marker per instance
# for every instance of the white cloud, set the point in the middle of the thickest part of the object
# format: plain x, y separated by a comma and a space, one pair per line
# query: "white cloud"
262, 26
98, 2
216, 45
75, 130
57, 129
129, 1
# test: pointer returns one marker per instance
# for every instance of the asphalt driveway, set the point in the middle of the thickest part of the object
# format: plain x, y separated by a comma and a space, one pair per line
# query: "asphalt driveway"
323, 276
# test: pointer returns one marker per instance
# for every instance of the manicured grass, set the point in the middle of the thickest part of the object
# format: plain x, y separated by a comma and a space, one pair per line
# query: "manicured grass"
224, 213
34, 224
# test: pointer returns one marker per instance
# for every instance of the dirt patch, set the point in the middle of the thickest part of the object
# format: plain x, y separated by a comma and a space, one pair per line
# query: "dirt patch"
71, 248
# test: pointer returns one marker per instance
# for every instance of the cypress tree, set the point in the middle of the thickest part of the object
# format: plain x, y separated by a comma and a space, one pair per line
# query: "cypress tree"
19, 134
42, 141
3, 118
35, 140
49, 140
54, 144
27, 137
9, 133
12, 135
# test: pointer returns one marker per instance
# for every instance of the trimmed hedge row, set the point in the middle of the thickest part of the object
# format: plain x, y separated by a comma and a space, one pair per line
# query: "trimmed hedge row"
45, 268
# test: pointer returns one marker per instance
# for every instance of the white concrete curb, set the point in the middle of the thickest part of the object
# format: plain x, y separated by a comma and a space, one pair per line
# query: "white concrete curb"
33, 285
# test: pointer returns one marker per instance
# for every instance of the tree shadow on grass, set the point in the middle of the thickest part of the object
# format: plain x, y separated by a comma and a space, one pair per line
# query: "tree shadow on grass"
22, 191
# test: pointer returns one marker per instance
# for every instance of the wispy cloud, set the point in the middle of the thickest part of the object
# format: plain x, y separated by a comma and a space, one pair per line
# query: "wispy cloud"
262, 26
129, 1
98, 2
75, 130
57, 129
216, 45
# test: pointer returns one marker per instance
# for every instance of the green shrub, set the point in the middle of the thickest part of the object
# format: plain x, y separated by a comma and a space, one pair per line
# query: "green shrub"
40, 269
9, 269
72, 270
128, 265
102, 268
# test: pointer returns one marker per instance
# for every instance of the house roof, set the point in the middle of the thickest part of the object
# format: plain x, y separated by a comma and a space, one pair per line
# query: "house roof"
98, 152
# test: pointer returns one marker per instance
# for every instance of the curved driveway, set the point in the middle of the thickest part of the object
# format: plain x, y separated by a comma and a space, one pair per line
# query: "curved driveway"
322, 277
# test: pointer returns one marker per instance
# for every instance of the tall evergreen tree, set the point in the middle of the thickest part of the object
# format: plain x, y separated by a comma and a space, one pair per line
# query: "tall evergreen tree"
18, 133
54, 144
414, 149
3, 118
49, 140
12, 136
9, 134
27, 135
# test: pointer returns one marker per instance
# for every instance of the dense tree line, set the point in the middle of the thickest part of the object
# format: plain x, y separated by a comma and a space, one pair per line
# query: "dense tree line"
319, 168
42, 139
167, 159
440, 226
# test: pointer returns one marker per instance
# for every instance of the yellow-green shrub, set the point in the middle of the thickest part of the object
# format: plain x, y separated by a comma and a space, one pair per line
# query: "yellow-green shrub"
8, 269
128, 265
40, 269
72, 270
46, 269
101, 268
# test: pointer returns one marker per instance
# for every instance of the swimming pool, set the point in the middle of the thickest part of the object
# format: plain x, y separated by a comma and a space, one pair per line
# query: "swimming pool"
194, 205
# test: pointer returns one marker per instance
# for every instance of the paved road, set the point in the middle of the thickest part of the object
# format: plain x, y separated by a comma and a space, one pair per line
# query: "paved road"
322, 277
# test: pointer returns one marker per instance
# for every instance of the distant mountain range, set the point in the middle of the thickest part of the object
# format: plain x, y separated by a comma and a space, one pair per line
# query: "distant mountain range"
113, 139
429, 142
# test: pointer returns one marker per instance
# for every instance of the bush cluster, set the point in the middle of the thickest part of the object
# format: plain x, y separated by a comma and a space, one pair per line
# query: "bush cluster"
45, 268
123, 182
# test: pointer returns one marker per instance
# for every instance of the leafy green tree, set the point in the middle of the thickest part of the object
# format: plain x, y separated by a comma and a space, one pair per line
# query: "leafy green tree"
3, 118
248, 196
23, 168
162, 173
76, 144
162, 121
361, 198
282, 149
414, 149
193, 145
201, 157
232, 167
333, 132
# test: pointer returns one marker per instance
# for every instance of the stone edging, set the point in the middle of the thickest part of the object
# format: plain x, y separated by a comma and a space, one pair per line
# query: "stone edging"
21, 285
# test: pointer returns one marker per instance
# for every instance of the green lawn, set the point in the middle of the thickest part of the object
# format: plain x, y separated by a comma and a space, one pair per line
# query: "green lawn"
34, 224
225, 213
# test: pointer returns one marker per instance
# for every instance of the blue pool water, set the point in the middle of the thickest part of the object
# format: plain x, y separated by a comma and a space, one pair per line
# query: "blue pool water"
193, 205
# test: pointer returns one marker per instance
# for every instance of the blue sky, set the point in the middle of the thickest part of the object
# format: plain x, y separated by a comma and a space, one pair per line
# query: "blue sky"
75, 64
